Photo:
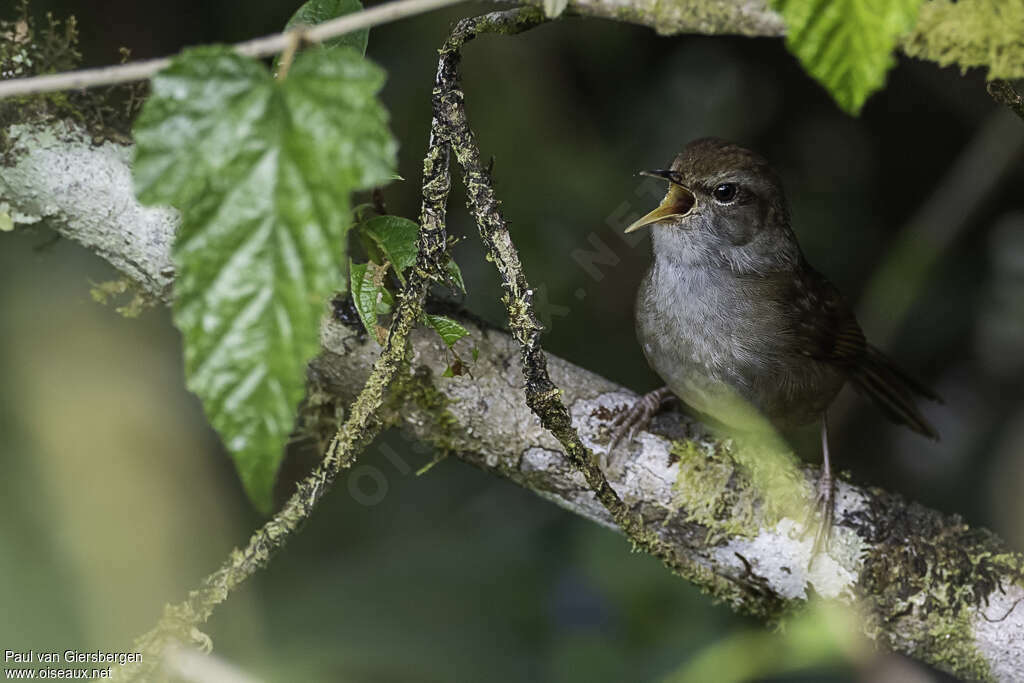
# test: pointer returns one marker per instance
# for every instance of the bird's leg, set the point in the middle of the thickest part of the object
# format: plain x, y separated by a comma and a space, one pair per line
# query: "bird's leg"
826, 487
639, 415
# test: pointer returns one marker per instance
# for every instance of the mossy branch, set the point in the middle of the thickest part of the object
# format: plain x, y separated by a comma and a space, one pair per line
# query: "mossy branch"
1004, 93
966, 33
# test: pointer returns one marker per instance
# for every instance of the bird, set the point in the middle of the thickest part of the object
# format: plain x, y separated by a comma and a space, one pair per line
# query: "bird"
737, 323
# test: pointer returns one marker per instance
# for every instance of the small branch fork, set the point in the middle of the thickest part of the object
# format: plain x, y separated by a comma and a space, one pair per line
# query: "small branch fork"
542, 395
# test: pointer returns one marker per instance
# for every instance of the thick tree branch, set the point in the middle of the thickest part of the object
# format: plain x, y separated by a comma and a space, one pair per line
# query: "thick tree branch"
968, 33
928, 584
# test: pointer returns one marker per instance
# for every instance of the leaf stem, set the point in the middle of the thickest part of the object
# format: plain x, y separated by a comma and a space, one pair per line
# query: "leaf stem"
295, 39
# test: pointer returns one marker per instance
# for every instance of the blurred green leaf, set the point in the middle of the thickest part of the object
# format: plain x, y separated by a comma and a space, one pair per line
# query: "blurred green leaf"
449, 330
821, 636
455, 273
397, 238
317, 12
847, 45
553, 8
261, 171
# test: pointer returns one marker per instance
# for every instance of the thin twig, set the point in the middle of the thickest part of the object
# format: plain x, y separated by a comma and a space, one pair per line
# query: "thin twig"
257, 47
180, 623
542, 395
1003, 92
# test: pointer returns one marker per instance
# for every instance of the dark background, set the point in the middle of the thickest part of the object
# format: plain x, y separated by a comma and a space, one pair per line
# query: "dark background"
118, 498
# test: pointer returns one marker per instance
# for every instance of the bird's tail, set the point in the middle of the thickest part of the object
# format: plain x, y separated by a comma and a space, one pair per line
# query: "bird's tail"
893, 391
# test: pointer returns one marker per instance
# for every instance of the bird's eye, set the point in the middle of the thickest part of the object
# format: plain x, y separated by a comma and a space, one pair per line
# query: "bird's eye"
725, 193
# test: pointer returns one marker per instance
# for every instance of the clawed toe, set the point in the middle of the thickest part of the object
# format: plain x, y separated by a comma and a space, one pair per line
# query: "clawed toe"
638, 416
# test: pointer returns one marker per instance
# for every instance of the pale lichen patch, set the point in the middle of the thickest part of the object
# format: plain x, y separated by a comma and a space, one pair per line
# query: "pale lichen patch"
996, 627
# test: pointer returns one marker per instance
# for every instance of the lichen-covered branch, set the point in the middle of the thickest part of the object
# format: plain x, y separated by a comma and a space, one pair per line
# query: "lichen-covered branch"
928, 584
968, 33
1004, 93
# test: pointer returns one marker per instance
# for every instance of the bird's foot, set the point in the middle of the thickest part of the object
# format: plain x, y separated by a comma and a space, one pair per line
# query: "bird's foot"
638, 416
825, 505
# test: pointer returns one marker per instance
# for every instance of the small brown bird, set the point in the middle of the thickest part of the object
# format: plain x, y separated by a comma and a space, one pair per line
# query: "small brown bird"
737, 323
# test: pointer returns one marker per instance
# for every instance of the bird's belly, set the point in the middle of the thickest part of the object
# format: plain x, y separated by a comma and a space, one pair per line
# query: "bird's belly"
735, 369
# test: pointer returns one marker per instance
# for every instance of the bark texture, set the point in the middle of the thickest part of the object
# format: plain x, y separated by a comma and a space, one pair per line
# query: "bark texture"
968, 33
927, 584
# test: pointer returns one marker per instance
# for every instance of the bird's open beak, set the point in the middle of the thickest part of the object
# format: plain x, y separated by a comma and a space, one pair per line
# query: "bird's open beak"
677, 203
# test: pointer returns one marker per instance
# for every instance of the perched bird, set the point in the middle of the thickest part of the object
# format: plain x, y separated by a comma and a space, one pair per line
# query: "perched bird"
737, 323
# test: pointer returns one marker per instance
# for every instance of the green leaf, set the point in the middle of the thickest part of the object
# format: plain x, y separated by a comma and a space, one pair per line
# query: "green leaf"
397, 238
261, 171
365, 293
318, 11
449, 330
847, 45
455, 273
386, 303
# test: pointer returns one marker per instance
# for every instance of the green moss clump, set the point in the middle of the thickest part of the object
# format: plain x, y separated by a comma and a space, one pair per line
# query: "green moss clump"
971, 33
109, 293
922, 579
737, 489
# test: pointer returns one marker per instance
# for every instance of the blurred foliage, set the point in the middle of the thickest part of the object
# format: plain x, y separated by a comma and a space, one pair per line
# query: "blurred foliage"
117, 497
822, 636
847, 45
318, 11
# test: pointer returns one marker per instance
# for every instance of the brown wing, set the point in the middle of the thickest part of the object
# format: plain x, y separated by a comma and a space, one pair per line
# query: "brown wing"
825, 329
823, 325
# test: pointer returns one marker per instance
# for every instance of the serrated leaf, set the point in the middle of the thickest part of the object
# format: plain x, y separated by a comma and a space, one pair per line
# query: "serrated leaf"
366, 290
261, 171
318, 11
397, 238
449, 330
847, 45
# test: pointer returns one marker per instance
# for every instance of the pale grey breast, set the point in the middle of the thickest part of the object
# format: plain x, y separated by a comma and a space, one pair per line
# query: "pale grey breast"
715, 338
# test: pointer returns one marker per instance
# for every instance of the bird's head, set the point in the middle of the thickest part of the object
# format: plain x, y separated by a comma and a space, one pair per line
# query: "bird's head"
724, 206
